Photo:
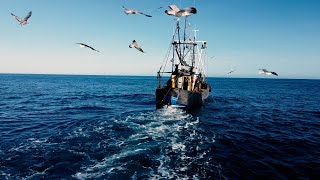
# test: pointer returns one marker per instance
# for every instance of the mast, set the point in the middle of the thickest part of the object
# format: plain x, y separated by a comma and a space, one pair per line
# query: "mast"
194, 47
186, 49
178, 44
179, 41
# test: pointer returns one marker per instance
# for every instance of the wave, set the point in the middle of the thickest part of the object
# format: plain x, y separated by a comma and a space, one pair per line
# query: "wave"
85, 107
158, 142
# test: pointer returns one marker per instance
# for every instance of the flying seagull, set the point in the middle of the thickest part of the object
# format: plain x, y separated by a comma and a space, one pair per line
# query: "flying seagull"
175, 11
231, 71
204, 45
134, 44
86, 46
132, 11
266, 72
23, 21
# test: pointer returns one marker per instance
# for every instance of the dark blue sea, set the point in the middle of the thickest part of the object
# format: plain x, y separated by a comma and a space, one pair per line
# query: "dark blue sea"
107, 127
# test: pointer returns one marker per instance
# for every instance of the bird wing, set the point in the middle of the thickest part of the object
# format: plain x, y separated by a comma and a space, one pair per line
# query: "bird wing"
28, 16
191, 10
94, 49
186, 11
144, 14
91, 47
170, 13
174, 8
264, 70
88, 46
274, 73
135, 44
140, 49
125, 8
17, 18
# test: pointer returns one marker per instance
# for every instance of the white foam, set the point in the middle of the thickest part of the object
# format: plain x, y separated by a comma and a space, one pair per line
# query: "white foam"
7, 176
36, 173
21, 148
106, 163
38, 141
82, 176
166, 128
184, 169
184, 157
178, 146
118, 168
190, 124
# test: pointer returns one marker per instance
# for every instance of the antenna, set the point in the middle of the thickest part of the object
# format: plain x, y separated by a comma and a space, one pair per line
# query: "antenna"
195, 33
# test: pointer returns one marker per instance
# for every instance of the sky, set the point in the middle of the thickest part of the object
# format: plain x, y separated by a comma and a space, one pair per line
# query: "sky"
279, 35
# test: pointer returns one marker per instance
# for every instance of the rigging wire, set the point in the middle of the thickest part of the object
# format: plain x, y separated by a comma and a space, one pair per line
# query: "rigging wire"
164, 63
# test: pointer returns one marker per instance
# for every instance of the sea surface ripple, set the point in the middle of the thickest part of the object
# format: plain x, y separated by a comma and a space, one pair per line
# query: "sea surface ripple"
107, 127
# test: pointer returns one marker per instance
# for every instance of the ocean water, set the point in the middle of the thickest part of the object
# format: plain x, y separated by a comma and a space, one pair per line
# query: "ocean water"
107, 127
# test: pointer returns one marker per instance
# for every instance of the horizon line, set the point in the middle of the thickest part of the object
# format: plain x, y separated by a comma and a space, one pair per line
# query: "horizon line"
121, 75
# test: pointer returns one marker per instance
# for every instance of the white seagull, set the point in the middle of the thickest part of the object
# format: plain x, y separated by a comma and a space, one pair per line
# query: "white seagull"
132, 11
266, 72
23, 21
134, 44
86, 46
175, 11
204, 45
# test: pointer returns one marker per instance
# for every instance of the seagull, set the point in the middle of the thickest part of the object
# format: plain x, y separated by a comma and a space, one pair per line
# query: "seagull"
231, 71
175, 11
23, 21
204, 45
132, 11
86, 46
266, 72
134, 44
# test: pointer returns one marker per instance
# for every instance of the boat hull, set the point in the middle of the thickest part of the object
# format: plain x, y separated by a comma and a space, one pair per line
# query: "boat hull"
181, 98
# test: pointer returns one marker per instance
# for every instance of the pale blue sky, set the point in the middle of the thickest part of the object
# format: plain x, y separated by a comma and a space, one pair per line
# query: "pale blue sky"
279, 35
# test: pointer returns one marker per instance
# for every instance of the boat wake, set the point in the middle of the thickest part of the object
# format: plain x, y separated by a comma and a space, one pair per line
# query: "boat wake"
160, 144
165, 144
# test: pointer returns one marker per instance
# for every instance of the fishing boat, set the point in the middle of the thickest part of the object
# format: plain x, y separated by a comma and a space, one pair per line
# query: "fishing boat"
185, 67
